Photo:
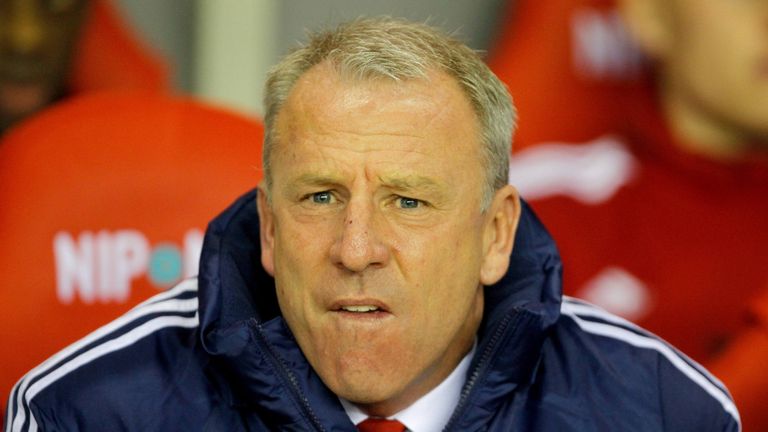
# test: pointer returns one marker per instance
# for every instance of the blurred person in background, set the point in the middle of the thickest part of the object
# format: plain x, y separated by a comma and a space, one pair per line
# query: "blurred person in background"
568, 63
50, 49
662, 217
36, 50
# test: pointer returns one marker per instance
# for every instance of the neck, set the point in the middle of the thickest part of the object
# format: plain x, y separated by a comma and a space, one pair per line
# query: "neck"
701, 131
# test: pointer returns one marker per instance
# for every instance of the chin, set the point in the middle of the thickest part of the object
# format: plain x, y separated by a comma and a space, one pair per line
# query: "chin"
374, 402
366, 388
377, 392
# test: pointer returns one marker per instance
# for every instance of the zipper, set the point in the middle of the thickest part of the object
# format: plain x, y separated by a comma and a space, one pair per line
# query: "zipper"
485, 358
287, 376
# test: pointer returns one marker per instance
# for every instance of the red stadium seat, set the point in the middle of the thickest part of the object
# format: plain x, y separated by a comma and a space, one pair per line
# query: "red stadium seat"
105, 199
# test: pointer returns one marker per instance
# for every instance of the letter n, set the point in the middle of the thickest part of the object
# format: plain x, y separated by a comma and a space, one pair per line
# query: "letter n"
74, 267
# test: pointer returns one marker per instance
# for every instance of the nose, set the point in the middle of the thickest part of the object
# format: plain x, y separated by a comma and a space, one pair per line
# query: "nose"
359, 246
25, 29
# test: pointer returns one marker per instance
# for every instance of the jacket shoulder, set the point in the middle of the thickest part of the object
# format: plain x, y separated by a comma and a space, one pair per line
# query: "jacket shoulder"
632, 377
118, 374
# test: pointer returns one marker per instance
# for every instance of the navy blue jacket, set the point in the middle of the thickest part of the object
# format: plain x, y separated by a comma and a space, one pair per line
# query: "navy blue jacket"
214, 354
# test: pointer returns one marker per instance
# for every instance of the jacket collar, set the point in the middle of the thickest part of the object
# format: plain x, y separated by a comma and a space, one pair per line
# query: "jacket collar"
262, 368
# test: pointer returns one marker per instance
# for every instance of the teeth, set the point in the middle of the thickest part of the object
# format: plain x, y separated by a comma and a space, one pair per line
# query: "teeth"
359, 308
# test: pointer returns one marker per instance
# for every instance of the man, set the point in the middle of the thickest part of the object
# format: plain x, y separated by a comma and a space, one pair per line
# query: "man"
662, 218
375, 284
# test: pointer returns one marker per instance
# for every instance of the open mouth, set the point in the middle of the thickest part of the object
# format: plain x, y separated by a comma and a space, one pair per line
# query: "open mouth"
360, 309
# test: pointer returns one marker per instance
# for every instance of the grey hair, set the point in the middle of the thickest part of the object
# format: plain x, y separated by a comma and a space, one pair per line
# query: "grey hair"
391, 48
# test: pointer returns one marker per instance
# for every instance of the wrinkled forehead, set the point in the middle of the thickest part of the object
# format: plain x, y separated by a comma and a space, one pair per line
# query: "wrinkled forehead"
326, 94
422, 116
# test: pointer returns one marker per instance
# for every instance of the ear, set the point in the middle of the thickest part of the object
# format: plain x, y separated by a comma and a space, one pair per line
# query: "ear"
266, 231
499, 235
650, 24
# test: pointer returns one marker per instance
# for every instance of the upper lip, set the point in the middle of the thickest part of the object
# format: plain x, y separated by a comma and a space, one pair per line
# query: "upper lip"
342, 303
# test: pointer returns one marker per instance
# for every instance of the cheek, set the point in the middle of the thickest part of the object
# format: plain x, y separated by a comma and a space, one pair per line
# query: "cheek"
444, 270
726, 86
295, 262
301, 243
300, 264
718, 30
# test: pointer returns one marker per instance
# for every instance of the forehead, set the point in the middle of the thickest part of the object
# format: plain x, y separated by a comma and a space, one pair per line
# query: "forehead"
418, 125
324, 101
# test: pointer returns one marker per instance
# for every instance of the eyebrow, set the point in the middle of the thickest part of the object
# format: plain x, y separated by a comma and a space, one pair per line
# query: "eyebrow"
397, 182
410, 182
315, 179
311, 179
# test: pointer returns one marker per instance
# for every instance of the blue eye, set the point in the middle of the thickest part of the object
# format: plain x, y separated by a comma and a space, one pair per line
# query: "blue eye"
408, 203
322, 198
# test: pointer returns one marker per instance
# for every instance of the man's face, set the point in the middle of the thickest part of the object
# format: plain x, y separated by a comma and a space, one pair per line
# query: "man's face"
37, 39
375, 234
718, 63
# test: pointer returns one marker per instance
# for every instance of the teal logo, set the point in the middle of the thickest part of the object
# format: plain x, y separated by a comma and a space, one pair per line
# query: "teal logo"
165, 265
